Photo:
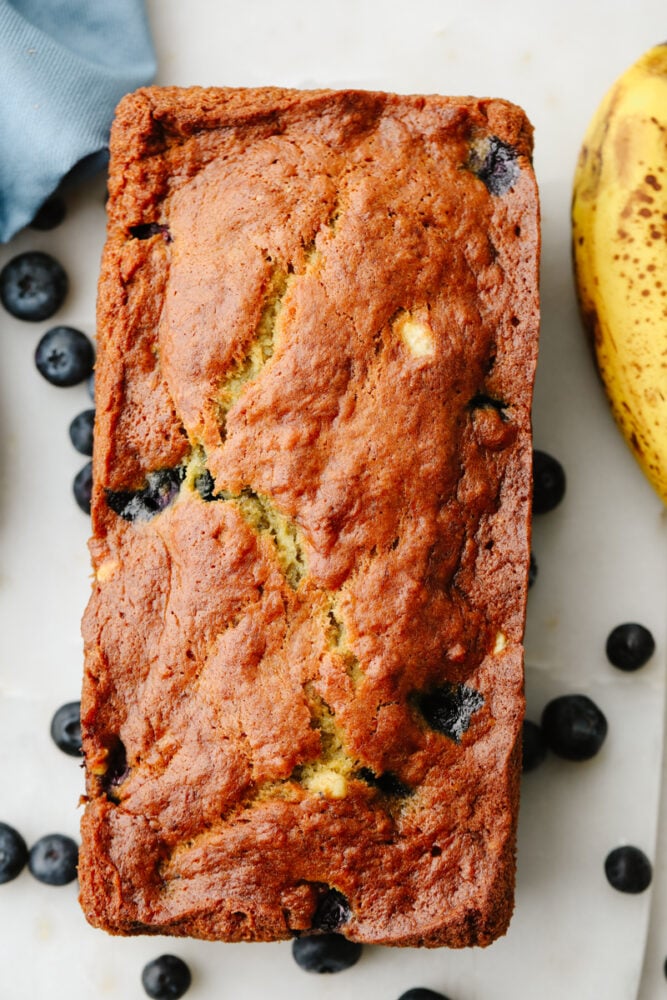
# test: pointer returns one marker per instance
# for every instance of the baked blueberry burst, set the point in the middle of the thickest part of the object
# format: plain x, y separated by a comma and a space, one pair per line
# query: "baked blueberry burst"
449, 708
494, 162
141, 505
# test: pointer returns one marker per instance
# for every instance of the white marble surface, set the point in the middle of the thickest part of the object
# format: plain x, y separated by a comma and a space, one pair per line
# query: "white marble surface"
602, 555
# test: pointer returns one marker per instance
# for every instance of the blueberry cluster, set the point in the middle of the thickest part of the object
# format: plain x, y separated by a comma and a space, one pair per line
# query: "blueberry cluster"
572, 726
52, 859
81, 431
33, 286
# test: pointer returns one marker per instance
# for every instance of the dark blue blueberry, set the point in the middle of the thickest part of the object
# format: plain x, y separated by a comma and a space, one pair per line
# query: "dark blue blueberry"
532, 570
494, 162
574, 727
332, 911
90, 385
50, 215
449, 708
81, 431
66, 728
117, 770
141, 505
628, 869
166, 978
534, 747
326, 953
548, 482
64, 356
82, 487
33, 286
205, 485
387, 782
630, 646
422, 993
13, 853
54, 859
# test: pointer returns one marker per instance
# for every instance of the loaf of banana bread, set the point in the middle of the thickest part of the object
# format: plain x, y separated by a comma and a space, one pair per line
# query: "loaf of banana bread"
303, 694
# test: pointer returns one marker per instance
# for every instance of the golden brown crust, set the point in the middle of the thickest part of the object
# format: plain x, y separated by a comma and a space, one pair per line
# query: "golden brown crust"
322, 308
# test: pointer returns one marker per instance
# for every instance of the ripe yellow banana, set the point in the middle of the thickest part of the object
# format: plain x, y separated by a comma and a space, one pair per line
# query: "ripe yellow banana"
619, 232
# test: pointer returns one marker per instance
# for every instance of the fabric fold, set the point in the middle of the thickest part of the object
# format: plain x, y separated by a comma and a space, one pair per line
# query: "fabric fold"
64, 65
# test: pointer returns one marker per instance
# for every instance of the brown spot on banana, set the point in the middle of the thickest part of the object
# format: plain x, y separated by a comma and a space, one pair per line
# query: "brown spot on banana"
619, 242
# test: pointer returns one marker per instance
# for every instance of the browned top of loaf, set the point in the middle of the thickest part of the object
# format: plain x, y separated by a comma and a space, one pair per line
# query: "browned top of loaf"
318, 298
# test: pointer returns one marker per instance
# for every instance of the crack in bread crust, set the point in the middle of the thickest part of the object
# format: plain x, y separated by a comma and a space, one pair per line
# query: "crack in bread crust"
260, 512
261, 347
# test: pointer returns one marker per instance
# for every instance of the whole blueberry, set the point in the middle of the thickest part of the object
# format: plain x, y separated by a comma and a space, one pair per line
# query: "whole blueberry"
82, 487
628, 869
630, 646
90, 385
66, 728
166, 978
574, 727
13, 853
64, 356
325, 953
534, 746
548, 482
50, 215
33, 286
81, 431
422, 993
53, 859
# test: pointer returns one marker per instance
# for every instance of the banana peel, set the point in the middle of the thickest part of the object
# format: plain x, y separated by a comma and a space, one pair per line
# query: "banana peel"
619, 240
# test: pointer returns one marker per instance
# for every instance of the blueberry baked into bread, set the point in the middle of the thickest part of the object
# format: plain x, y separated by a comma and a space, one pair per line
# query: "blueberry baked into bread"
303, 692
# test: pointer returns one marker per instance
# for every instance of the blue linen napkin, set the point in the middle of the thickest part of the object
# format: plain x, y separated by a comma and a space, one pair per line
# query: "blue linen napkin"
64, 65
